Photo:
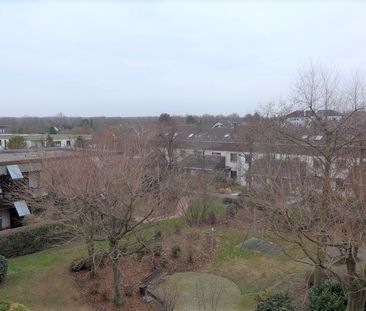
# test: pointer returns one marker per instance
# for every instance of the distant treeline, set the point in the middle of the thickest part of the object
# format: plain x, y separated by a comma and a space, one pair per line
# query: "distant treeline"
82, 125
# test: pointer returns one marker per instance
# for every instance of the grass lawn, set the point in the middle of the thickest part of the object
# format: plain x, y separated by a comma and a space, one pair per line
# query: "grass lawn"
41, 281
193, 287
251, 271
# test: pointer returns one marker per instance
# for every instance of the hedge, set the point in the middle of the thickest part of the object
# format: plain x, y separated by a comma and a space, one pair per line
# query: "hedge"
7, 306
32, 238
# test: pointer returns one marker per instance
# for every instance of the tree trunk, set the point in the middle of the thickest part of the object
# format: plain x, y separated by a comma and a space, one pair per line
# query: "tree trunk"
356, 289
356, 300
114, 251
91, 254
317, 276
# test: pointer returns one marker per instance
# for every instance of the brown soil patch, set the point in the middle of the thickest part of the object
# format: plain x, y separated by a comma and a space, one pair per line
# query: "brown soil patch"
99, 291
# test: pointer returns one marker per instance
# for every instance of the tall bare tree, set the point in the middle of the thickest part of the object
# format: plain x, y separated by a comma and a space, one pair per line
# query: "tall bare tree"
317, 210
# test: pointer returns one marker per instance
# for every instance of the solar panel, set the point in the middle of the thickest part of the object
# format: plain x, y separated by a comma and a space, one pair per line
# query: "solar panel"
14, 171
22, 208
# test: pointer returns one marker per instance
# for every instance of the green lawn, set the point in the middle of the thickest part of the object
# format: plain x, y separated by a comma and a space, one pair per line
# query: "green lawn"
195, 289
251, 271
41, 281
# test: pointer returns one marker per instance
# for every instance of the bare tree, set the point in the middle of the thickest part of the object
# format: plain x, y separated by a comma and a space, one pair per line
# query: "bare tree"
320, 208
68, 195
167, 141
168, 295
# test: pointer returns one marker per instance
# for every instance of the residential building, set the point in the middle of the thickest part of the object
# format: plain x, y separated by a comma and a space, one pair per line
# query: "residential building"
16, 169
40, 140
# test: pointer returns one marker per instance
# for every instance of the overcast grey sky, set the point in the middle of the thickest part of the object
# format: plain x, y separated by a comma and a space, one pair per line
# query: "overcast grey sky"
129, 58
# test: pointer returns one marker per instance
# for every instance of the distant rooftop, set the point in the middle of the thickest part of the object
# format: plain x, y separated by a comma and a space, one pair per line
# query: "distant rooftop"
23, 156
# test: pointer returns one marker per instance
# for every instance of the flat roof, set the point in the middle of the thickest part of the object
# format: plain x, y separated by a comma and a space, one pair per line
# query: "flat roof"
25, 156
44, 136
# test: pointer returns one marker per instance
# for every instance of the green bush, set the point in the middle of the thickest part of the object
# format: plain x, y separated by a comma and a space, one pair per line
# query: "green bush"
231, 210
274, 302
3, 267
163, 262
29, 239
230, 201
327, 297
196, 213
176, 250
157, 249
6, 306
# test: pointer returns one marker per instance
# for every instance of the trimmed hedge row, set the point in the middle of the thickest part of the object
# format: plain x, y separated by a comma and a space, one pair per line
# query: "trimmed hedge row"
32, 238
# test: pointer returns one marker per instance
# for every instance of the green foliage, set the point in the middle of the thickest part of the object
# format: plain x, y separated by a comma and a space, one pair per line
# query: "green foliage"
52, 130
164, 117
327, 297
3, 267
6, 306
274, 302
176, 251
191, 120
196, 213
17, 142
231, 210
157, 249
230, 201
49, 141
29, 239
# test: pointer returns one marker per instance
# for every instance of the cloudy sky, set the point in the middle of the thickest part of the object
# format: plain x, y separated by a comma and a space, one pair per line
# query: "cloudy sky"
134, 58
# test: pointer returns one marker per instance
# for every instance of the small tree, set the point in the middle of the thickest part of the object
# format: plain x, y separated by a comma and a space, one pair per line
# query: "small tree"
52, 130
191, 120
17, 142
49, 141
164, 117
80, 142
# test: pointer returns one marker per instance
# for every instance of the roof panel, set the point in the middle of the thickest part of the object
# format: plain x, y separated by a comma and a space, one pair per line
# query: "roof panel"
22, 208
14, 171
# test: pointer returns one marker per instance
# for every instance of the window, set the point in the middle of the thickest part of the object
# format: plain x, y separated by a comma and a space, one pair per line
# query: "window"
233, 174
68, 143
0, 142
216, 153
233, 157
